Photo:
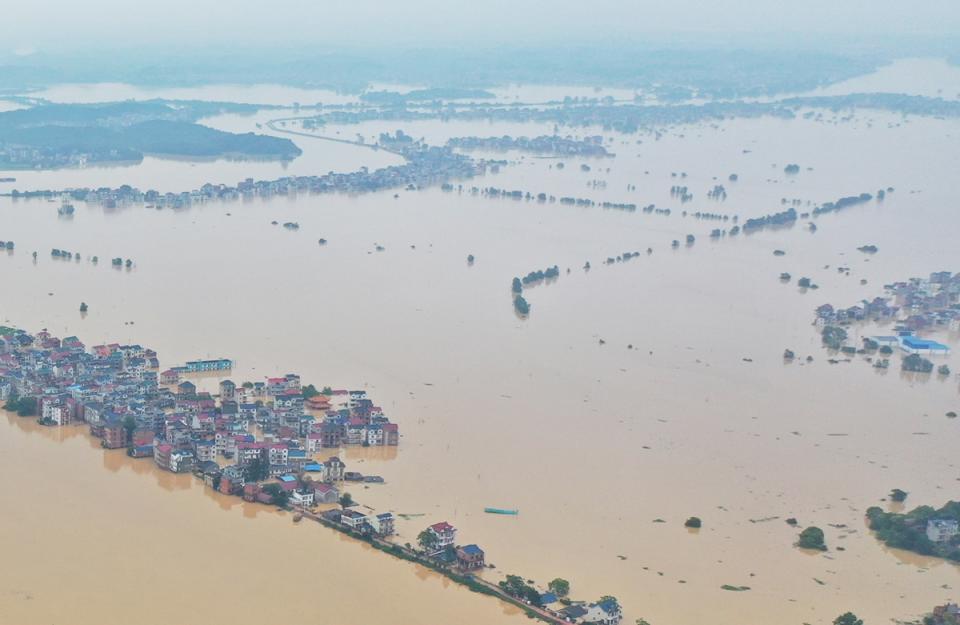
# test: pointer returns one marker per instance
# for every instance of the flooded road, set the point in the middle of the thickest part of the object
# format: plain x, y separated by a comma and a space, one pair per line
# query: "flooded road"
687, 409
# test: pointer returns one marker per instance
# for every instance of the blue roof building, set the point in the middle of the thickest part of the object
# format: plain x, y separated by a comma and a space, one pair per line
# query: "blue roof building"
916, 345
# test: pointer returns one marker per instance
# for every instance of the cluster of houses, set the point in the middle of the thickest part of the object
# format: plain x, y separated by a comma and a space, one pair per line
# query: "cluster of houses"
946, 614
544, 144
917, 304
603, 612
425, 166
117, 391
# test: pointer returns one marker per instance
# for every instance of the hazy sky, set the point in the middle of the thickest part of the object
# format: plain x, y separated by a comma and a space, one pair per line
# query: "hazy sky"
78, 24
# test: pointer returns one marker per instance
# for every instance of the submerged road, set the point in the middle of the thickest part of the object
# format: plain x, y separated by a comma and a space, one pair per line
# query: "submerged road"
272, 125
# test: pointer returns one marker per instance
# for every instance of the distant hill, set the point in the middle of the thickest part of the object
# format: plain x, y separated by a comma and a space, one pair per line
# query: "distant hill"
58, 135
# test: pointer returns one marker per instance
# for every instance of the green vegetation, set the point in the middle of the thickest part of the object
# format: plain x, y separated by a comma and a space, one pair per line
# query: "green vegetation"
346, 500
516, 287
23, 406
693, 522
909, 531
514, 586
310, 391
833, 337
256, 471
559, 587
83, 307
280, 496
898, 495
427, 541
540, 275
916, 363
848, 618
129, 425
943, 370
775, 220
521, 306
812, 538
60, 135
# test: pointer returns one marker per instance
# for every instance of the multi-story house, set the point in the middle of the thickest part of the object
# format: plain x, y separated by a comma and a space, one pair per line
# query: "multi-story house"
382, 524
353, 519
942, 530
445, 535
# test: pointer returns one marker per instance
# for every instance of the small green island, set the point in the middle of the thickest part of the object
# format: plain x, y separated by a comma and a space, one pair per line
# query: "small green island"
924, 530
48, 136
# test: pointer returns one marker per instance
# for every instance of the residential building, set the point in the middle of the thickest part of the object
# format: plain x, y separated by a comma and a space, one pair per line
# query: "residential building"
353, 519
446, 535
382, 524
942, 530
470, 557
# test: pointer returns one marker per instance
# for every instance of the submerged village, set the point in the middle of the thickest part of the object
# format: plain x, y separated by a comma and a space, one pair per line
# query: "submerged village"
262, 441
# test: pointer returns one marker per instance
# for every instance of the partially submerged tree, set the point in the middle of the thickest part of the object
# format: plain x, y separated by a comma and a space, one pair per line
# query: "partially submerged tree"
812, 538
559, 587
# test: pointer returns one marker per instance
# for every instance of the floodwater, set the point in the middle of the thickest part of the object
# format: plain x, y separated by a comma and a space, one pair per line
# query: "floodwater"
594, 443
109, 540
932, 77
167, 174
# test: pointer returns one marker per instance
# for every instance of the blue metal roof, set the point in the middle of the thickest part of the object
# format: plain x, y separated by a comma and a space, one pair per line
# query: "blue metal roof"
287, 478
914, 342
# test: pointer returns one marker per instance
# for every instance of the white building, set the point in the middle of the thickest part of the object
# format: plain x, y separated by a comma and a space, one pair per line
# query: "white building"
57, 413
181, 461
353, 519
302, 498
278, 454
942, 530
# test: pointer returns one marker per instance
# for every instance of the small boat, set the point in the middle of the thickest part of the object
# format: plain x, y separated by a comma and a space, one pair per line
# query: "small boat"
501, 511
